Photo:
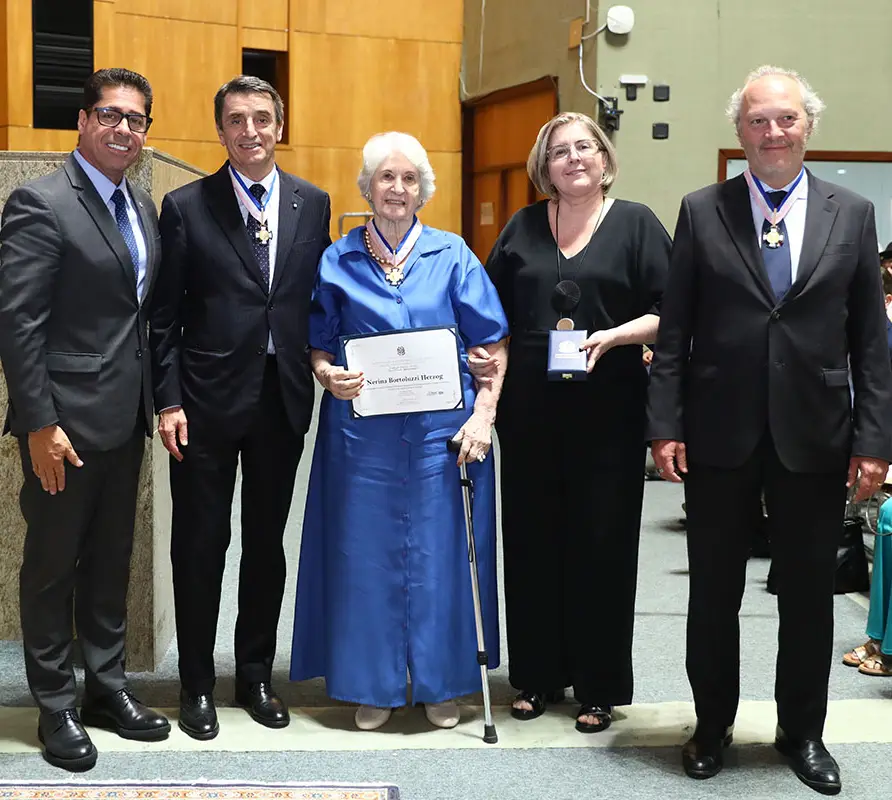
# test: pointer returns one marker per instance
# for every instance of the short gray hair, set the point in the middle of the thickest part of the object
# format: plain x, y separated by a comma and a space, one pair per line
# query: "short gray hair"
382, 145
811, 102
247, 84
537, 162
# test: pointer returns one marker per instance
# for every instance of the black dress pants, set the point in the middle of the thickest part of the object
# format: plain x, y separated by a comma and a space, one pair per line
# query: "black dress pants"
572, 469
75, 571
805, 517
202, 487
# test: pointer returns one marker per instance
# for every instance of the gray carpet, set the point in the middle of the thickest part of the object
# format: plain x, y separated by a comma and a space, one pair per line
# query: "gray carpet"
522, 774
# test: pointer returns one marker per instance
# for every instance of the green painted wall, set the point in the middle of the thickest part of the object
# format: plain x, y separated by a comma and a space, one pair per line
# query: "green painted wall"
703, 49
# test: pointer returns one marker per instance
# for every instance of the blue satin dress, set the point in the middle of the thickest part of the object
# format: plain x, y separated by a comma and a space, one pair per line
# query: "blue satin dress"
383, 587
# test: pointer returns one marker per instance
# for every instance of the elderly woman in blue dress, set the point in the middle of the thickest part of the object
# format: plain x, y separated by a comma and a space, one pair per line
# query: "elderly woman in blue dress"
383, 594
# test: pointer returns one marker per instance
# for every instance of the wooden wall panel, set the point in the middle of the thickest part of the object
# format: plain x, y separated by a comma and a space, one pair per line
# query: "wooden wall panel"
19, 78
224, 12
373, 85
504, 133
4, 67
104, 39
28, 138
208, 156
487, 212
268, 14
518, 190
184, 96
257, 39
420, 20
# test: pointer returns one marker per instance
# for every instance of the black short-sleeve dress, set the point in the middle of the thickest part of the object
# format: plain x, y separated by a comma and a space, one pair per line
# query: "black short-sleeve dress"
572, 453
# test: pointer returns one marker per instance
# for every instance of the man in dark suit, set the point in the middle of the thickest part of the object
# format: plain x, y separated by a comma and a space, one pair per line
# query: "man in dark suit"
233, 381
78, 257
774, 290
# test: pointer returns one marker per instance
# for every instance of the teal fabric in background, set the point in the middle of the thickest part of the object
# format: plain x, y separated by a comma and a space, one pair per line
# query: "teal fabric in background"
879, 620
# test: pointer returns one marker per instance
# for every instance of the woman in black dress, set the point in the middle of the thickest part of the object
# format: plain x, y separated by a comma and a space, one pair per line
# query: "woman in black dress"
572, 452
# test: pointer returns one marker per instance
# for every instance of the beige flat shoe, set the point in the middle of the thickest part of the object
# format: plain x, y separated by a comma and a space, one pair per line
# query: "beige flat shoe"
442, 715
879, 665
860, 654
369, 718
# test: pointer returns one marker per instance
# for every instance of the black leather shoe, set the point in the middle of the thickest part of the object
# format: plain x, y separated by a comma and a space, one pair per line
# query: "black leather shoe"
65, 742
263, 704
811, 762
198, 716
122, 713
703, 754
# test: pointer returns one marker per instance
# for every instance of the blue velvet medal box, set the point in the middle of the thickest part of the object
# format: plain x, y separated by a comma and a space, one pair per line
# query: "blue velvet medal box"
565, 361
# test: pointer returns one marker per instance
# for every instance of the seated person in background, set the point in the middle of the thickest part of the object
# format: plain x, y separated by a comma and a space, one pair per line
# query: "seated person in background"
874, 657
886, 261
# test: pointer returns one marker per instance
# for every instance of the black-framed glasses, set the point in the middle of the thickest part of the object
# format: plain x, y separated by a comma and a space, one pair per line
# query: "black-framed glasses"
111, 118
583, 148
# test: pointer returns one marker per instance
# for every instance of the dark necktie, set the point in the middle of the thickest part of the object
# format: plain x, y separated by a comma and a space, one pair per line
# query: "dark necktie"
777, 260
261, 250
126, 230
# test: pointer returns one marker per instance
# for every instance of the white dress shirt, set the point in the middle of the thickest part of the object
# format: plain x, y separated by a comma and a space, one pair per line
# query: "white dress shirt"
795, 220
106, 189
271, 216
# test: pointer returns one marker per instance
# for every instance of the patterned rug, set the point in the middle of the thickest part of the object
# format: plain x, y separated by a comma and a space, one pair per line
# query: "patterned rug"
204, 790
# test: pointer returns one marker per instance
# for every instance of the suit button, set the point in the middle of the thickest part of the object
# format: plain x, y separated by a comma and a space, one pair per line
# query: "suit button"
261, 351
399, 300
271, 306
775, 316
139, 353
779, 364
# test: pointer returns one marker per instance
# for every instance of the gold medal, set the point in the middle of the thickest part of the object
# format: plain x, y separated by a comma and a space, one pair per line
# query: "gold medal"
773, 237
263, 234
565, 324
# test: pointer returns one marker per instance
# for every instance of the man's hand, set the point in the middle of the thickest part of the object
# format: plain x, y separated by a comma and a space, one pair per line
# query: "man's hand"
49, 449
174, 427
872, 472
671, 457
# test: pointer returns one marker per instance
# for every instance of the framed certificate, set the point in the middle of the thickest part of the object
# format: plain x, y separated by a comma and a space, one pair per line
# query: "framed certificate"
406, 372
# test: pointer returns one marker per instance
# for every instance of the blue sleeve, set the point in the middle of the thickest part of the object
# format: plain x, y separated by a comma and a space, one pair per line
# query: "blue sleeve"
478, 309
325, 308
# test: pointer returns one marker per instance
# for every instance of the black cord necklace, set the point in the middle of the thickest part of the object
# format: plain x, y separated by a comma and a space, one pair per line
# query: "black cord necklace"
567, 294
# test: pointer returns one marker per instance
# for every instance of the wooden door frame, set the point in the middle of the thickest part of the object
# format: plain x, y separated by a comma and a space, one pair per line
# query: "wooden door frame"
468, 107
876, 156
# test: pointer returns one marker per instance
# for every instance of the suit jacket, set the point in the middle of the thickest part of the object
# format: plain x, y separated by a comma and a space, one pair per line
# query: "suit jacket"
213, 313
730, 361
72, 330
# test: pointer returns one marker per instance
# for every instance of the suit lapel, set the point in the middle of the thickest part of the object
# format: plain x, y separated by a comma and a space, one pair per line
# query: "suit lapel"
819, 218
221, 200
736, 214
92, 202
290, 208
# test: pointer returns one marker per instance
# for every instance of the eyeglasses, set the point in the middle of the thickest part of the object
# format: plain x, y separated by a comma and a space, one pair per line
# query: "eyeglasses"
585, 148
111, 118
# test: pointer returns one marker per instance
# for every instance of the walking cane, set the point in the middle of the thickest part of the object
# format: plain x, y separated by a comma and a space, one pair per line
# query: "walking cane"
467, 485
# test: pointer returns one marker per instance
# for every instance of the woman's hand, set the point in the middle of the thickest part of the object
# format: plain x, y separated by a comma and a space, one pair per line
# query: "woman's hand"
342, 384
475, 437
597, 344
483, 365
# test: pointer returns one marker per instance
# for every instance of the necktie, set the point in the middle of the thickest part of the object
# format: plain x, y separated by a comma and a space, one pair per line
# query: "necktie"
261, 250
777, 259
126, 230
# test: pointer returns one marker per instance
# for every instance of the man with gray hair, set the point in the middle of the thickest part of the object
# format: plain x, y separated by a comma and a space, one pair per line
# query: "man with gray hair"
773, 292
233, 383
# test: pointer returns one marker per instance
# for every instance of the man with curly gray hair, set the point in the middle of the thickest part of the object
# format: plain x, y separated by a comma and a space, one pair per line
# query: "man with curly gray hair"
773, 292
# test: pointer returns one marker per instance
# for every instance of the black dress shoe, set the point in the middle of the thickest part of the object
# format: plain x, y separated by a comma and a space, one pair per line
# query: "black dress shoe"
65, 742
811, 762
122, 713
703, 754
263, 704
198, 716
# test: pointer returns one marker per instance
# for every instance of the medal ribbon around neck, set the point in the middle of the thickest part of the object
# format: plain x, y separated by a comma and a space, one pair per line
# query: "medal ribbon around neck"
386, 254
253, 206
772, 214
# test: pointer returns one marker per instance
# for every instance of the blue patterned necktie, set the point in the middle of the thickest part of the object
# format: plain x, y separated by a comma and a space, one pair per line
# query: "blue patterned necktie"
778, 263
126, 230
261, 250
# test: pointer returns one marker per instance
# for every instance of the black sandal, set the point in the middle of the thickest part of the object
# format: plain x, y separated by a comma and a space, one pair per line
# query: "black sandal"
604, 715
538, 700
